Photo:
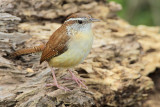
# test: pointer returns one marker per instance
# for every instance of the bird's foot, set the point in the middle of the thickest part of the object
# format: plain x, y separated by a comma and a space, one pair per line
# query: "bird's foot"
58, 86
55, 83
77, 80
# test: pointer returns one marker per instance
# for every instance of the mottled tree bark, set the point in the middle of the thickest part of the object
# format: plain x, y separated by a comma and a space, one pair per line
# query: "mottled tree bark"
116, 71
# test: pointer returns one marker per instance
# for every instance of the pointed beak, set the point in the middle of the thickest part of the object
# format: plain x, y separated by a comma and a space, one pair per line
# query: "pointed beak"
94, 20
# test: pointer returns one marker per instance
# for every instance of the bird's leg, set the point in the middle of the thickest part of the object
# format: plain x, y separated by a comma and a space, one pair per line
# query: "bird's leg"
77, 80
55, 83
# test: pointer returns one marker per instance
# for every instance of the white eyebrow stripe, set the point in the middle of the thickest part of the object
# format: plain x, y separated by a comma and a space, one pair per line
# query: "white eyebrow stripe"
75, 19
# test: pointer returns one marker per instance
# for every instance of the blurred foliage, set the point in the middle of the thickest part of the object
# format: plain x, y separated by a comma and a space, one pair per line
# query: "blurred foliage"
145, 12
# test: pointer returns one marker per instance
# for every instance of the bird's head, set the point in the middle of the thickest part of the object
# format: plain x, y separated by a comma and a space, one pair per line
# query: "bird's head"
79, 22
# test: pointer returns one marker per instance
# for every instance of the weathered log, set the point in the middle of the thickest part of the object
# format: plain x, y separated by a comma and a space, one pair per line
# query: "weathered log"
116, 71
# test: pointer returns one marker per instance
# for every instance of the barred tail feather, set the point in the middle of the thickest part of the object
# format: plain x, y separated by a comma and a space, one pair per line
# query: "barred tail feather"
28, 50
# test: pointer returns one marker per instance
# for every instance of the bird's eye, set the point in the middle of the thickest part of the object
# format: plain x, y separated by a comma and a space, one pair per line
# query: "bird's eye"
80, 21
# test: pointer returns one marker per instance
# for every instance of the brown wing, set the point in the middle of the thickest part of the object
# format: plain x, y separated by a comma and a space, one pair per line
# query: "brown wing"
56, 44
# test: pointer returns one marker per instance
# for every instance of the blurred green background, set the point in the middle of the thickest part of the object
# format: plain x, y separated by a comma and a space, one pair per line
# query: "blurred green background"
140, 12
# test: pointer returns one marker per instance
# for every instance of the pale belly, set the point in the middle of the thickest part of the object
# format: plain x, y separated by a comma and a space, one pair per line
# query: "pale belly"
76, 53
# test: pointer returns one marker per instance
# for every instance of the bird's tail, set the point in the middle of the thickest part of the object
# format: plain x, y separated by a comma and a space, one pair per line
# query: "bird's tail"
28, 50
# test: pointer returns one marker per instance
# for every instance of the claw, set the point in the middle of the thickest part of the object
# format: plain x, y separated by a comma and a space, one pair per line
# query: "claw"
58, 86
67, 78
56, 83
77, 80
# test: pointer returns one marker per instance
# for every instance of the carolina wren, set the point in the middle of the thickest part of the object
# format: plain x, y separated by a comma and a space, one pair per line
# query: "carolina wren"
68, 46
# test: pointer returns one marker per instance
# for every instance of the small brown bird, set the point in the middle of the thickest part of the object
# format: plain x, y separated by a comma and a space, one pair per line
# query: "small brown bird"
68, 46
